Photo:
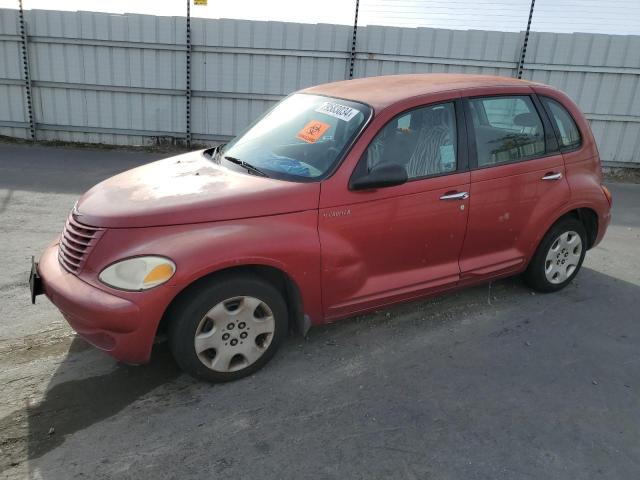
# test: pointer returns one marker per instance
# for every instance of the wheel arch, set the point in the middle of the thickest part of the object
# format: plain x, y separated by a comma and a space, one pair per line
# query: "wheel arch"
586, 215
589, 219
298, 321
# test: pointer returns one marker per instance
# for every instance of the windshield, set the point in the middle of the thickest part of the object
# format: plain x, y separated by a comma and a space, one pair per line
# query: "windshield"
301, 138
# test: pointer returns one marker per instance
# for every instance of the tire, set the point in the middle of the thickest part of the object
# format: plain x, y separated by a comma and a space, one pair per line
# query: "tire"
558, 257
227, 327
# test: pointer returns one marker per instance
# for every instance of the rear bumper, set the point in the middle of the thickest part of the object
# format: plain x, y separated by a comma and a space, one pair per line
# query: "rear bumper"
122, 327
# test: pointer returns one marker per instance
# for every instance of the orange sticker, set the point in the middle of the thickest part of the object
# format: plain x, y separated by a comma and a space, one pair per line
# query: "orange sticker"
313, 131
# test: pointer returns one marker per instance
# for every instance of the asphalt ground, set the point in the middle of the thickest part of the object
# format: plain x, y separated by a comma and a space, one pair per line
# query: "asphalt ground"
491, 382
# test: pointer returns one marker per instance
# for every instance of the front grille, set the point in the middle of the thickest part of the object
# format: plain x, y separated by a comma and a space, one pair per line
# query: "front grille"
76, 242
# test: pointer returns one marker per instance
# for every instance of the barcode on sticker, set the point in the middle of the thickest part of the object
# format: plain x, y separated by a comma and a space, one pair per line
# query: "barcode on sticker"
341, 112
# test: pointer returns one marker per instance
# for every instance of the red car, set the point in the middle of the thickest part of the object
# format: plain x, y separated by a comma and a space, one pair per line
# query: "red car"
342, 199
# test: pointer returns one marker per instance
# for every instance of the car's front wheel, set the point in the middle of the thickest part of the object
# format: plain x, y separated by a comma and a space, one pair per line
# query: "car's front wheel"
227, 328
558, 257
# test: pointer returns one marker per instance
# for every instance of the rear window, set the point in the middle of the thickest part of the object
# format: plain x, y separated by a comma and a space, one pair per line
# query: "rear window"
507, 129
568, 134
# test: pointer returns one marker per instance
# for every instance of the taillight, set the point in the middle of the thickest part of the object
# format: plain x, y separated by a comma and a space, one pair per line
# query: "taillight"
607, 194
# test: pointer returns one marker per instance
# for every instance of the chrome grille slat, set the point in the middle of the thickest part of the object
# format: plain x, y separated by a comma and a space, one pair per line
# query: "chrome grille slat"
67, 259
82, 226
79, 248
78, 230
76, 242
71, 229
66, 251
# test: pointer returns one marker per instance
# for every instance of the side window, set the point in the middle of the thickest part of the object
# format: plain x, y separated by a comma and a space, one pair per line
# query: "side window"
507, 129
564, 123
421, 140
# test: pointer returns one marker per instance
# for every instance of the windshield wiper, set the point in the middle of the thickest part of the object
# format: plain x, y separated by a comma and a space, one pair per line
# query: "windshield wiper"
214, 152
246, 165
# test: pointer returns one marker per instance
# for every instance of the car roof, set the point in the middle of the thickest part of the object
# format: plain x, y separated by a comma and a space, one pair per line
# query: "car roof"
380, 92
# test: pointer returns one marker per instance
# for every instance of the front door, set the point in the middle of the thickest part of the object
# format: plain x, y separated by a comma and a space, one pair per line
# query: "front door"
389, 244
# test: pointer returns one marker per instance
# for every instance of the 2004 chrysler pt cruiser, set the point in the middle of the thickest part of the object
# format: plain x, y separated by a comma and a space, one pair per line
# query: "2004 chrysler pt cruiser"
343, 198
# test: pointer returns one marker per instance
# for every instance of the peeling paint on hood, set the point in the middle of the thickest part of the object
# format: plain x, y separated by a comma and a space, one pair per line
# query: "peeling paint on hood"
189, 188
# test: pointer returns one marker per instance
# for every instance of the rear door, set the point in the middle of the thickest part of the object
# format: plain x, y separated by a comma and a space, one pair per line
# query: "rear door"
517, 182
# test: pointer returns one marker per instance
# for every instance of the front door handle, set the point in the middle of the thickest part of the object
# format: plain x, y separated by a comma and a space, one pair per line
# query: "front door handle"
552, 176
455, 196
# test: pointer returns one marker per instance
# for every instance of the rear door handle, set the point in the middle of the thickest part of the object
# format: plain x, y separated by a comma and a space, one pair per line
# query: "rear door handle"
552, 176
455, 196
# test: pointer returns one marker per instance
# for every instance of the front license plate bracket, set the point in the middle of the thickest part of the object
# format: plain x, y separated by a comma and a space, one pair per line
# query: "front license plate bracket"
35, 282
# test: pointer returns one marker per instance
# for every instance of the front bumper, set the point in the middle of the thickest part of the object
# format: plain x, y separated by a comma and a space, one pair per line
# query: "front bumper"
124, 328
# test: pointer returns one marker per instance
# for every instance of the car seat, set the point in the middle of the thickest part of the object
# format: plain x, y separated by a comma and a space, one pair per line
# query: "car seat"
434, 133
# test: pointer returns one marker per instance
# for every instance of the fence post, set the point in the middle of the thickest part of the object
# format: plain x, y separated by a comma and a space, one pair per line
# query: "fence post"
523, 53
352, 59
24, 47
188, 78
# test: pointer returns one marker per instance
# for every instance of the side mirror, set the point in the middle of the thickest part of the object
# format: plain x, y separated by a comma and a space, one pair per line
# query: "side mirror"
383, 175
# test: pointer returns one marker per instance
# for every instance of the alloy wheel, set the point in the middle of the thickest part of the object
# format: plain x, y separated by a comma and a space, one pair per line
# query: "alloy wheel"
563, 257
234, 334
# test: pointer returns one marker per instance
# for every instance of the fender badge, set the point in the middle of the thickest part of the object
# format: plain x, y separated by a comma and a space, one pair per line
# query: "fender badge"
337, 213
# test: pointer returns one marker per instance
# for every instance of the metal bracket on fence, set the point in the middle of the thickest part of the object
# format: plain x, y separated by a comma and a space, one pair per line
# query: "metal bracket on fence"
188, 78
352, 59
27, 76
523, 53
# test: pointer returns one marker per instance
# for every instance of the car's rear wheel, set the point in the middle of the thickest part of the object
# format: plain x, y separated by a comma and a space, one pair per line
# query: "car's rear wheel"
227, 328
558, 257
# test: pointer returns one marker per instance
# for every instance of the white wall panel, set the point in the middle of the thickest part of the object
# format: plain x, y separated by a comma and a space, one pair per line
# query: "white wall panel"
120, 79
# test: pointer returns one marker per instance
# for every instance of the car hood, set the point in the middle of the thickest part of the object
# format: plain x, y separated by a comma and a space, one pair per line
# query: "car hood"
189, 188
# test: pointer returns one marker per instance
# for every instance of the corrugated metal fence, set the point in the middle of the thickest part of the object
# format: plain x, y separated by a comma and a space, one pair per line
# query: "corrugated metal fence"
120, 79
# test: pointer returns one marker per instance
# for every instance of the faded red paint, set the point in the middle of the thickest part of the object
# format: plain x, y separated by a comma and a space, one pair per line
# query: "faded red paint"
347, 251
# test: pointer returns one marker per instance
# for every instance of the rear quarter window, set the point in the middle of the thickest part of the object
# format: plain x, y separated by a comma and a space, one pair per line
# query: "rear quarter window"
567, 131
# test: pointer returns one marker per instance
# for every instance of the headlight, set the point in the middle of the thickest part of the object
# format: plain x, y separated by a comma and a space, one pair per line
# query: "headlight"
138, 273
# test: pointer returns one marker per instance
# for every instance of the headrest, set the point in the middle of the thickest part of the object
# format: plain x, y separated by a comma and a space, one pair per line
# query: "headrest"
429, 118
527, 120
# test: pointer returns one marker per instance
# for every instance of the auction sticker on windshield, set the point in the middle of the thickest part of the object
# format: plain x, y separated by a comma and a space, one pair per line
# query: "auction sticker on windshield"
313, 131
341, 112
